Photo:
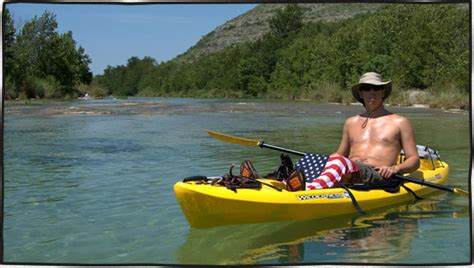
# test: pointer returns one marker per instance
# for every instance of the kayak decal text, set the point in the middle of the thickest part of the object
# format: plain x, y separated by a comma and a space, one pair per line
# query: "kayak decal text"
319, 196
435, 177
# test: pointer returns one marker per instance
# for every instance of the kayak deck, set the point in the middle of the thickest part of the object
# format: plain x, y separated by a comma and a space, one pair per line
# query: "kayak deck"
206, 205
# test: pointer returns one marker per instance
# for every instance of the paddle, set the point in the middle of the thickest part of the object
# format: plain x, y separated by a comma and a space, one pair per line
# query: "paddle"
433, 185
262, 144
249, 142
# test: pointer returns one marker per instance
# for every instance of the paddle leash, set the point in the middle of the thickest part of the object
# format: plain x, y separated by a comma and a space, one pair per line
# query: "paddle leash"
262, 144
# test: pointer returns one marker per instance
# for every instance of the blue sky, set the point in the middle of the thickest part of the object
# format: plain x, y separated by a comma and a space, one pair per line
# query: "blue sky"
111, 34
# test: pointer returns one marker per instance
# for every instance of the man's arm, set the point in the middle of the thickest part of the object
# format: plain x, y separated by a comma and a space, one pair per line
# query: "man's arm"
345, 146
412, 160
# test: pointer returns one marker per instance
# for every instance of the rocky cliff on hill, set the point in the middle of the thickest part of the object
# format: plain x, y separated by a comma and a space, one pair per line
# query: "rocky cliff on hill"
254, 23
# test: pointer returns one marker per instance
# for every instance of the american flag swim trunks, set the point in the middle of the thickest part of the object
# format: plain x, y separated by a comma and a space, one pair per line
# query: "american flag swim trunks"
322, 171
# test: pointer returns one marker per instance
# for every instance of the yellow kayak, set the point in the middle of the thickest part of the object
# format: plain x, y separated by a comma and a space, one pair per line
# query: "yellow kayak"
206, 205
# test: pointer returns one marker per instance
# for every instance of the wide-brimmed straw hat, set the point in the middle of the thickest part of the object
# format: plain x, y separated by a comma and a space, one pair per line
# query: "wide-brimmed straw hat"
371, 78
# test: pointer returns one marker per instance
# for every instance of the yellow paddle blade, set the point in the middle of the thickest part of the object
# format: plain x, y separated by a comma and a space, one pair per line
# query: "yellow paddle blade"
232, 139
461, 192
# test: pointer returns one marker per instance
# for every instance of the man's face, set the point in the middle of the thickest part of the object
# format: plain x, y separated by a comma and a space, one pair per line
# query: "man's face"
371, 94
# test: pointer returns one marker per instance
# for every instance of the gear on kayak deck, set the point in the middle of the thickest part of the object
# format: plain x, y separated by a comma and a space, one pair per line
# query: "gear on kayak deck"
284, 170
232, 182
246, 179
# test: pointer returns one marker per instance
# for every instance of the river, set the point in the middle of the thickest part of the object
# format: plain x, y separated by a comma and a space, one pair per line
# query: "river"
92, 182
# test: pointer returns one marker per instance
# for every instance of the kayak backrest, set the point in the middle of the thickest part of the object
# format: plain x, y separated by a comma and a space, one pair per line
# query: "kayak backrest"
425, 152
429, 157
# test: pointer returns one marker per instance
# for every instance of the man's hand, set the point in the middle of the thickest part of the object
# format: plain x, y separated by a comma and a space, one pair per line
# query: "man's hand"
387, 172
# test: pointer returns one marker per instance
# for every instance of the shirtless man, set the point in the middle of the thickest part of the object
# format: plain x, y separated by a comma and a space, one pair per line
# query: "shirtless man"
374, 138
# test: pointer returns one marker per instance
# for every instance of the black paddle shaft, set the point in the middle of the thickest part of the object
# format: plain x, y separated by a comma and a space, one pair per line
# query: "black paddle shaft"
262, 144
426, 183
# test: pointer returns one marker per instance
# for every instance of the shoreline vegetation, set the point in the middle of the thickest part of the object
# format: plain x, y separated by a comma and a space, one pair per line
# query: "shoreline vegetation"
453, 102
423, 49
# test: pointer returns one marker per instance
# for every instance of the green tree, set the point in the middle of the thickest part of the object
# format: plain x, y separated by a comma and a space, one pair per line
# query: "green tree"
128, 80
286, 22
112, 79
9, 33
32, 41
9, 36
44, 60
250, 70
68, 65
136, 69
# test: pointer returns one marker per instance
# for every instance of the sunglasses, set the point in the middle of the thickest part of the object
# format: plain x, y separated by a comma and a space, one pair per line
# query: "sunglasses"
369, 87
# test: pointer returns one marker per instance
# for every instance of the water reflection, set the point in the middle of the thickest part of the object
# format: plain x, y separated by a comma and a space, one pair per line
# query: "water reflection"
377, 238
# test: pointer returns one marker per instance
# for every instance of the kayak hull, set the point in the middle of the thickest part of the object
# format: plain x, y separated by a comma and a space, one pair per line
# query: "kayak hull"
206, 205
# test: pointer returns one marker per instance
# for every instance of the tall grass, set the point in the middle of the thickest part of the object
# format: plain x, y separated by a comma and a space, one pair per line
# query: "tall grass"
448, 97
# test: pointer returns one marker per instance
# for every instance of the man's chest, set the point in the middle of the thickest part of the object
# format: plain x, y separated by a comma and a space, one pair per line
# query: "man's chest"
374, 132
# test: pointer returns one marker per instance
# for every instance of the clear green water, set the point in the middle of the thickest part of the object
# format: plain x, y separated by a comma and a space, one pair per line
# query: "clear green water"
91, 182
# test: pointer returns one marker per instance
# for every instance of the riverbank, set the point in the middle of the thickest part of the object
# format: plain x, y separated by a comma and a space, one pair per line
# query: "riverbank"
163, 105
446, 100
450, 100
448, 97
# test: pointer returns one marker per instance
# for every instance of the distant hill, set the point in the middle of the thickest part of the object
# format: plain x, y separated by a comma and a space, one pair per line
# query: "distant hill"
254, 23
